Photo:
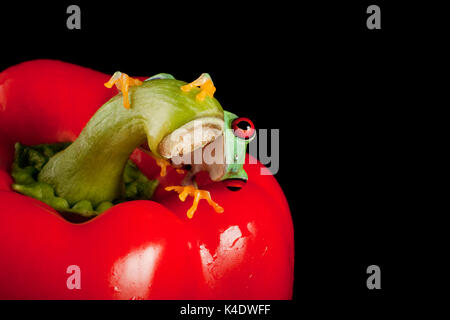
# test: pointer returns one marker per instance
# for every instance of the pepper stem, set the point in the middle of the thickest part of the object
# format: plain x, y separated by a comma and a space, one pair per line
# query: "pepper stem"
91, 168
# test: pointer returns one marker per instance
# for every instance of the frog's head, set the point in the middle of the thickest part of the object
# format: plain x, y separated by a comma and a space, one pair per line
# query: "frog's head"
238, 132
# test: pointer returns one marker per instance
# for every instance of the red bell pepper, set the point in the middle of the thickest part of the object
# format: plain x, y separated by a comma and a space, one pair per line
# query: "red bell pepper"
137, 249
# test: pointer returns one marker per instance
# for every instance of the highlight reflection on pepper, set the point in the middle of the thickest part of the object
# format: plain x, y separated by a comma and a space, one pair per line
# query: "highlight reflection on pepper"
132, 275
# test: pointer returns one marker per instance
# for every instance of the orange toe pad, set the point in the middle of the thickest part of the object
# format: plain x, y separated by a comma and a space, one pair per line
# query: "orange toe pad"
185, 191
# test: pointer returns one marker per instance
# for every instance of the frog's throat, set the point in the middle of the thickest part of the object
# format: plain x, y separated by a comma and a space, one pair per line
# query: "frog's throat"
191, 136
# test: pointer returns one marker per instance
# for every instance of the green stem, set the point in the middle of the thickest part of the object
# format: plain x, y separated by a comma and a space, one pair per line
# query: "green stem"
92, 167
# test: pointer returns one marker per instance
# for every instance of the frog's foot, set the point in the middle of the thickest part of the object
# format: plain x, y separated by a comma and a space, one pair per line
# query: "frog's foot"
123, 82
206, 85
185, 191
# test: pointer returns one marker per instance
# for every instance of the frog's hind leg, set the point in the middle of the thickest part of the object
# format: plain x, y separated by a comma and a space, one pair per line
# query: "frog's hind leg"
206, 85
123, 82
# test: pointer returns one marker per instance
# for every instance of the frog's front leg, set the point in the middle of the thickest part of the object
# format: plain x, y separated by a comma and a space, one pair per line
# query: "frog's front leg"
189, 178
189, 187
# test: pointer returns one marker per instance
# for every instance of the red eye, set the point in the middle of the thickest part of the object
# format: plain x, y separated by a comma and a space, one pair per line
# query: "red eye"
243, 128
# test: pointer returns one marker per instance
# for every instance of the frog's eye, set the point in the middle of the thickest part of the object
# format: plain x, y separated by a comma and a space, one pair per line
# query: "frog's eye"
243, 128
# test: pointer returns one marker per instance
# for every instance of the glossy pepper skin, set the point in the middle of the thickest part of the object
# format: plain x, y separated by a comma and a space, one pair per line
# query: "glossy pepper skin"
138, 249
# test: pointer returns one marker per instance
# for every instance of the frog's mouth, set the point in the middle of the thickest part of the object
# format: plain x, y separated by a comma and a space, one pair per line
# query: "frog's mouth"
235, 184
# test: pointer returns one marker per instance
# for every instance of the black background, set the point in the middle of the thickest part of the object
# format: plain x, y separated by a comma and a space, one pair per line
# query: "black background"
336, 90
